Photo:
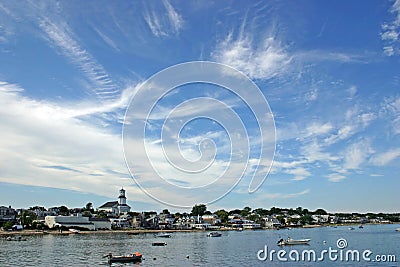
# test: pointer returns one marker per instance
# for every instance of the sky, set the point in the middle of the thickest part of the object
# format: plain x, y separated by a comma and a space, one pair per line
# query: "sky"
325, 76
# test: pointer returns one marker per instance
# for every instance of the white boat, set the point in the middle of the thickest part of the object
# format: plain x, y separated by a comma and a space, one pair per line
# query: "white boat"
73, 231
398, 229
351, 228
214, 234
290, 242
164, 235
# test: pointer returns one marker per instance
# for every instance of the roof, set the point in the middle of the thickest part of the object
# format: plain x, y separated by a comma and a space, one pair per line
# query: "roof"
98, 219
109, 204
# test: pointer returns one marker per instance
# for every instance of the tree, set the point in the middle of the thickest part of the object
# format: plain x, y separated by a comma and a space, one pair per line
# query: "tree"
26, 218
299, 210
199, 210
306, 219
101, 214
222, 215
63, 210
281, 219
236, 211
165, 211
262, 212
320, 212
87, 213
89, 207
7, 225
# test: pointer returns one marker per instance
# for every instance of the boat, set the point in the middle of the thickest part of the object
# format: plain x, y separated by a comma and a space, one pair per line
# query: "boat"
290, 242
351, 228
15, 238
361, 226
158, 244
163, 235
135, 257
214, 234
398, 229
73, 231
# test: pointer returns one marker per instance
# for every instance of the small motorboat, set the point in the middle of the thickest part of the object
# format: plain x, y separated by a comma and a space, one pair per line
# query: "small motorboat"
351, 228
163, 235
158, 244
291, 242
361, 226
15, 238
135, 257
73, 231
398, 229
214, 234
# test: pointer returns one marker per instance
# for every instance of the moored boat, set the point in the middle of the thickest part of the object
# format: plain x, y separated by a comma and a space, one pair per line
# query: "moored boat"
398, 229
163, 235
135, 257
158, 244
214, 234
290, 242
73, 231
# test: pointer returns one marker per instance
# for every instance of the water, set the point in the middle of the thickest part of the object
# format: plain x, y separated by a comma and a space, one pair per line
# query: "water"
232, 249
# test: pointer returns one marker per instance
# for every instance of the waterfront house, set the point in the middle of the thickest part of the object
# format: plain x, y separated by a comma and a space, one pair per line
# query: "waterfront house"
7, 214
211, 219
271, 222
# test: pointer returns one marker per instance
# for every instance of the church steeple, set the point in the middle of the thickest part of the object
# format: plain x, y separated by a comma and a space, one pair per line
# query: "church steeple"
122, 197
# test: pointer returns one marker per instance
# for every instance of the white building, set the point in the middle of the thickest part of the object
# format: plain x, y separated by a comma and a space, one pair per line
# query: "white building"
116, 207
77, 221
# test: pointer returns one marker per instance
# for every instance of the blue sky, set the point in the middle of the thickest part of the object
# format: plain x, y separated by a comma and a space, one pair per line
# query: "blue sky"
329, 70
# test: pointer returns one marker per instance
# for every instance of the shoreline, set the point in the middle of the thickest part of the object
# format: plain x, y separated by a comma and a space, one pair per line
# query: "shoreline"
151, 231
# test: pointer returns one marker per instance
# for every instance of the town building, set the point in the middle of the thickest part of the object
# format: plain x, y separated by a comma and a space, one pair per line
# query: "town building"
116, 208
77, 221
7, 214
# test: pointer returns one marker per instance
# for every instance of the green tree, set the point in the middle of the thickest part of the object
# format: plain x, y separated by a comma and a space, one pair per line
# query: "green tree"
222, 215
165, 211
306, 219
320, 212
199, 210
281, 219
8, 225
26, 218
262, 212
87, 213
101, 214
299, 210
63, 210
235, 211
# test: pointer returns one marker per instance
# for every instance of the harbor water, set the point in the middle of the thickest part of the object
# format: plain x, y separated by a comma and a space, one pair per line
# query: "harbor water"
233, 248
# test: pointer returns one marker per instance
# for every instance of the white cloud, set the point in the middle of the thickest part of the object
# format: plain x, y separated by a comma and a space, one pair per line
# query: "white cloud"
175, 19
391, 31
357, 154
261, 60
60, 35
161, 25
385, 158
299, 173
43, 146
335, 177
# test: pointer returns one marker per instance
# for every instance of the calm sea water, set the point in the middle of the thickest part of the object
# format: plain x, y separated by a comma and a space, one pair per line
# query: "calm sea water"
232, 249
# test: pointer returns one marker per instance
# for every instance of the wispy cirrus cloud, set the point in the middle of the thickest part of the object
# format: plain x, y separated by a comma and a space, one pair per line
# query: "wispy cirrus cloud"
391, 32
385, 158
166, 23
259, 59
61, 36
